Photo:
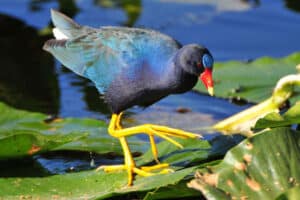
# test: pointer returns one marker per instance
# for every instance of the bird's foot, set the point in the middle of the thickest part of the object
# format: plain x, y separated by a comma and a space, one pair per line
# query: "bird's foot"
144, 171
152, 130
165, 133
115, 129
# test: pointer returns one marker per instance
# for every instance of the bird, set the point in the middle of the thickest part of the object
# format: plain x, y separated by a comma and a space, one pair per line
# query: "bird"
131, 67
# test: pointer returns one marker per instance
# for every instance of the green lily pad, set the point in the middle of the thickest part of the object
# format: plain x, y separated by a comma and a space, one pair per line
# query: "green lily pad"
101, 185
25, 133
252, 81
18, 143
291, 194
292, 116
85, 185
178, 191
261, 167
192, 152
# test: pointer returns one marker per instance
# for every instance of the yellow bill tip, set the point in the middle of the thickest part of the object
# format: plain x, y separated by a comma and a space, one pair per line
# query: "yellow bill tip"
210, 91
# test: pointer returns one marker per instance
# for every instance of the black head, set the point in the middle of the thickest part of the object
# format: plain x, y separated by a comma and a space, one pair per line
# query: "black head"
196, 60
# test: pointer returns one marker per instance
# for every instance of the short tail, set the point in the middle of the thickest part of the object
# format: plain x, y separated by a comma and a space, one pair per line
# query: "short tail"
65, 27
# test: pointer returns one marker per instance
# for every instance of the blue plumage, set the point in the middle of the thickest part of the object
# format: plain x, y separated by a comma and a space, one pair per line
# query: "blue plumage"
102, 54
130, 66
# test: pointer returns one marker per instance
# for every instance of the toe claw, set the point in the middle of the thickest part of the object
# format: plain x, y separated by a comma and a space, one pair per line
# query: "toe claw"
166, 171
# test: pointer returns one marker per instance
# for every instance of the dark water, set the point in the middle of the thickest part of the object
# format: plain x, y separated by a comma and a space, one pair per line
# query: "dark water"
231, 29
32, 79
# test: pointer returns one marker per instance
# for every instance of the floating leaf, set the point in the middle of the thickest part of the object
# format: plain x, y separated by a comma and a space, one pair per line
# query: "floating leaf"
192, 152
178, 191
252, 81
261, 167
25, 133
195, 151
291, 194
85, 185
26, 143
100, 185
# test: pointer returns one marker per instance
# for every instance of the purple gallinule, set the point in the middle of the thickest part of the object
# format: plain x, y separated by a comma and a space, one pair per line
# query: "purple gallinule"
131, 66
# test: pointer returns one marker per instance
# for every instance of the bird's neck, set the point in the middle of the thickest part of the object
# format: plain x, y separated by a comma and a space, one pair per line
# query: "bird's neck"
179, 80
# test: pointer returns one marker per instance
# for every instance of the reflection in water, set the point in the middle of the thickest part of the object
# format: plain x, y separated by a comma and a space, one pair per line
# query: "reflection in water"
209, 9
68, 7
235, 5
223, 5
25, 87
27, 78
293, 5
91, 96
132, 8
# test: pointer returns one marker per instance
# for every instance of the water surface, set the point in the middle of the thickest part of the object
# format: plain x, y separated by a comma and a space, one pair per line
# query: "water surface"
32, 79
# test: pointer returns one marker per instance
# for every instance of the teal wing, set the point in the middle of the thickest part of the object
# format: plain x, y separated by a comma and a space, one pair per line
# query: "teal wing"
88, 57
104, 54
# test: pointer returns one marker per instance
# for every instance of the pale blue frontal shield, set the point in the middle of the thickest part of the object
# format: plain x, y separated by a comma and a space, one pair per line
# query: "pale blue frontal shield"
207, 61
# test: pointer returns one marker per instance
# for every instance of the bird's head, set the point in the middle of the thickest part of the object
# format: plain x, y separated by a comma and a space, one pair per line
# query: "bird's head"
197, 60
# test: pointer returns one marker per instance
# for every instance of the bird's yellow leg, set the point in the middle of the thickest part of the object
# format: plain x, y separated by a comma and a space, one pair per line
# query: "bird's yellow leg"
153, 148
118, 124
164, 132
114, 129
129, 162
151, 138
152, 128
174, 132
